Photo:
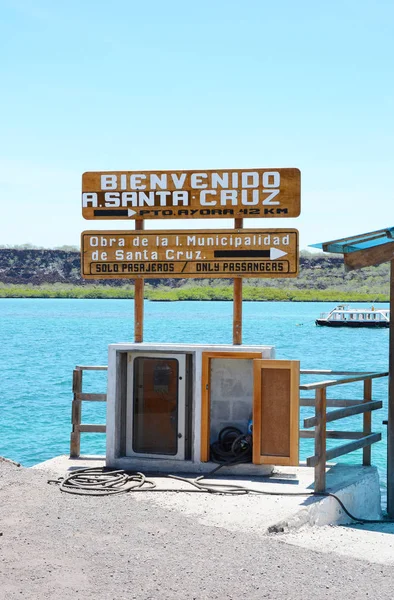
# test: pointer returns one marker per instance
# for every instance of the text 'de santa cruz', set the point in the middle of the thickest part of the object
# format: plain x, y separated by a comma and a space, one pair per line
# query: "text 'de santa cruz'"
254, 253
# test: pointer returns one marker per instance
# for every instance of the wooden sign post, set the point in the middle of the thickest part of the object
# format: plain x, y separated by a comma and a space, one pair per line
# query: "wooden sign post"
233, 254
139, 300
237, 301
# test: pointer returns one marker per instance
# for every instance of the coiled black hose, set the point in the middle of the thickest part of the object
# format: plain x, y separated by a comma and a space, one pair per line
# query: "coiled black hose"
100, 481
232, 447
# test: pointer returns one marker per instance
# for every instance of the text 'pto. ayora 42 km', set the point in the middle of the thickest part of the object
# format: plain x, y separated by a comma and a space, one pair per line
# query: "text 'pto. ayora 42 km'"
232, 193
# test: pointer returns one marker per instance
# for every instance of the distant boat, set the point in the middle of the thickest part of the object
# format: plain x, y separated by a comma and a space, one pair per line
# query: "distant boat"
343, 316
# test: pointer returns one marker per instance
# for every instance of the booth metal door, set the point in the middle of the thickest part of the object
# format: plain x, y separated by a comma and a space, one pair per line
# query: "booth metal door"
156, 405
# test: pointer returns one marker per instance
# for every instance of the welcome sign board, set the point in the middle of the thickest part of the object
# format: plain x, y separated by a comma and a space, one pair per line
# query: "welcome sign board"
183, 254
232, 193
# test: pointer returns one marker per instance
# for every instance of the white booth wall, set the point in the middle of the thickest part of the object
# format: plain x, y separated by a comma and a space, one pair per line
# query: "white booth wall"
232, 382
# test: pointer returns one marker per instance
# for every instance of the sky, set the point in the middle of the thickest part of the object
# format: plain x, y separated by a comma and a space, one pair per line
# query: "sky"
92, 85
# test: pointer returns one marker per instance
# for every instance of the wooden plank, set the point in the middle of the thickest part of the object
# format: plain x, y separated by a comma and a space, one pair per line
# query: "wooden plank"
331, 382
77, 381
237, 312
257, 413
332, 402
331, 372
237, 300
91, 397
367, 421
92, 428
229, 193
342, 413
275, 412
205, 393
312, 461
369, 257
91, 368
260, 253
335, 435
75, 441
320, 441
138, 310
235, 355
352, 446
76, 415
76, 411
390, 418
139, 300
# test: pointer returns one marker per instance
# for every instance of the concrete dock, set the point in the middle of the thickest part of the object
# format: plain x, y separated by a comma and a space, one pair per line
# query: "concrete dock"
176, 546
283, 503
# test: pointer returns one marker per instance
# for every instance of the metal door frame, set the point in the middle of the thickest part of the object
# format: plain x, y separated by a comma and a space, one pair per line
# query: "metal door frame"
181, 358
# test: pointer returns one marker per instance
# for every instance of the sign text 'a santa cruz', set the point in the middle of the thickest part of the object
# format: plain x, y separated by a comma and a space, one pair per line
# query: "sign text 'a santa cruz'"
233, 193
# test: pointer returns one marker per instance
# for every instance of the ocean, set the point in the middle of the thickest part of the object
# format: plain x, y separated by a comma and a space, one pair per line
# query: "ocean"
42, 340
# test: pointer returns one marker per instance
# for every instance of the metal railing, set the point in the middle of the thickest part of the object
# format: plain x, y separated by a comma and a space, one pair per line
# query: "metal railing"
344, 408
76, 410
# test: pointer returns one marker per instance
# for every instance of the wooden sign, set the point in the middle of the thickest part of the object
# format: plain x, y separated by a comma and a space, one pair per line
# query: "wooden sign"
232, 193
183, 254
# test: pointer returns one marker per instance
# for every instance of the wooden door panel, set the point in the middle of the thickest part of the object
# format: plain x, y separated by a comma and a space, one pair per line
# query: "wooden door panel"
276, 412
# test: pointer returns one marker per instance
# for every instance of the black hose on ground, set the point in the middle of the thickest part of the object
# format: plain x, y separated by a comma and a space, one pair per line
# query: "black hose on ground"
104, 481
101, 481
232, 447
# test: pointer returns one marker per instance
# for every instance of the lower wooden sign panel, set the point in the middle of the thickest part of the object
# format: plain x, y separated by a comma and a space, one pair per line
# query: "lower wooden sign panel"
182, 254
276, 412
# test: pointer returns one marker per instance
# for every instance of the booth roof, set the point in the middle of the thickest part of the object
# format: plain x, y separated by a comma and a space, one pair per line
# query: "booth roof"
355, 243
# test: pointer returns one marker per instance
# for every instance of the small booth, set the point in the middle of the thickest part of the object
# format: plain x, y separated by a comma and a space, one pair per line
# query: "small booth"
167, 404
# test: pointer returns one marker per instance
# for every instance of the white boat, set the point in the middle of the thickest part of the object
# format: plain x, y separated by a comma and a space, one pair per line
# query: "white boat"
343, 316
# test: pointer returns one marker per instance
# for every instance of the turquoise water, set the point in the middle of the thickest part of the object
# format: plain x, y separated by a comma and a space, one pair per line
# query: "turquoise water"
42, 340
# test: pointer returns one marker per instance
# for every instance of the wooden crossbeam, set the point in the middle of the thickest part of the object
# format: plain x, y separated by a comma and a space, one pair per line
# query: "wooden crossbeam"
313, 461
331, 382
89, 368
369, 257
334, 435
332, 372
91, 397
92, 428
332, 402
342, 413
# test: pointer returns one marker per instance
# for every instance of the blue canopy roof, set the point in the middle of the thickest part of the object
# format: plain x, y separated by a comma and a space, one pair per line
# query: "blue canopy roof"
363, 241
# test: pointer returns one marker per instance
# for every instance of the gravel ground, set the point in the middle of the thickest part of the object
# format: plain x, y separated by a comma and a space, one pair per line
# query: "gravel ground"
55, 545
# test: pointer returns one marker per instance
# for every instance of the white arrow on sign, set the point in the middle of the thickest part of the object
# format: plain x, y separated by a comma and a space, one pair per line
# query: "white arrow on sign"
275, 253
131, 212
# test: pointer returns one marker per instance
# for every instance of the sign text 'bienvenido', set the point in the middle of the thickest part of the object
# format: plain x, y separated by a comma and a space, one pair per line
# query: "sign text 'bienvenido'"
233, 193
